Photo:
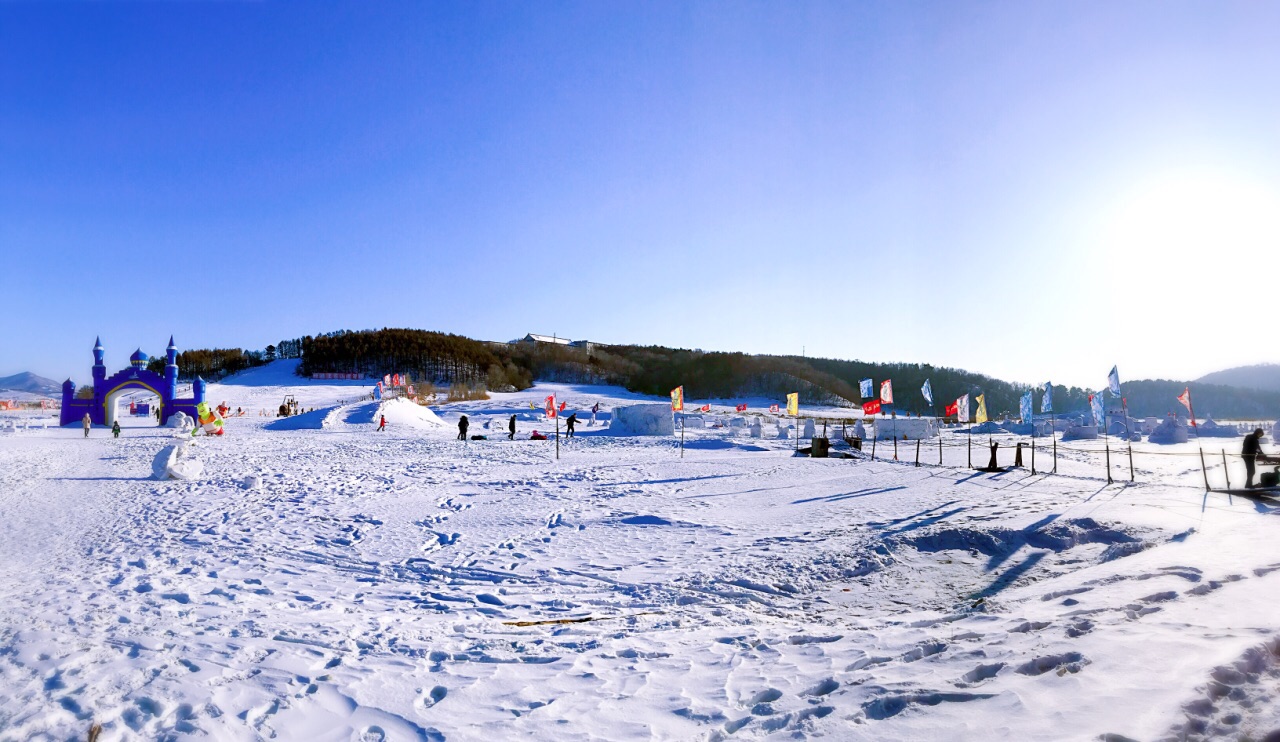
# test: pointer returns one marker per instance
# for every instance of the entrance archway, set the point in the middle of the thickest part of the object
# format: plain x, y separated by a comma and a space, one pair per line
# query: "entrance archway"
109, 403
101, 408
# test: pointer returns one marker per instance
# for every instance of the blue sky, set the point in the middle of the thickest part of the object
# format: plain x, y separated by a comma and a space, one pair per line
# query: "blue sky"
1030, 190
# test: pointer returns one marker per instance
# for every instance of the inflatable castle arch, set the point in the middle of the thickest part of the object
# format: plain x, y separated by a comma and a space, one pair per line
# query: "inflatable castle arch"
107, 389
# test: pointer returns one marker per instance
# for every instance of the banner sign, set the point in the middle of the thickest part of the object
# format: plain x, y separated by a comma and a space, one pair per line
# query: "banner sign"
551, 406
871, 408
793, 403
677, 399
348, 377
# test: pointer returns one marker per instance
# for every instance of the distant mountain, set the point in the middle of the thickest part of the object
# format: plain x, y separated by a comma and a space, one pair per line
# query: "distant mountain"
30, 383
1265, 376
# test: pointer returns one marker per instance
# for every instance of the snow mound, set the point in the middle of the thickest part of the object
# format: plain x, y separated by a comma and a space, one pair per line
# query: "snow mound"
314, 420
642, 419
177, 461
402, 412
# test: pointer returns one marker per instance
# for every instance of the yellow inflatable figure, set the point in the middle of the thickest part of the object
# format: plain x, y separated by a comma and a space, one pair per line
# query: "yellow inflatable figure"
207, 420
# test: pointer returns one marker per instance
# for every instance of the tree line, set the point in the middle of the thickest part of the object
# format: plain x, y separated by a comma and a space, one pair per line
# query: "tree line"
210, 364
448, 359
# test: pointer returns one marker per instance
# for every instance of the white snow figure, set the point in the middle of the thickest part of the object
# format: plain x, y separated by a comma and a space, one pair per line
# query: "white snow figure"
177, 461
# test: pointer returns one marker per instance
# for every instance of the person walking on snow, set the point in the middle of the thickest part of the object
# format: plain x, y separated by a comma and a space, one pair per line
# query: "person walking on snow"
511, 427
382, 423
86, 421
569, 423
115, 429
462, 428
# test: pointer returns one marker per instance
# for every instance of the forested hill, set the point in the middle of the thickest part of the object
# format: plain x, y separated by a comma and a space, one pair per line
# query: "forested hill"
1264, 376
442, 358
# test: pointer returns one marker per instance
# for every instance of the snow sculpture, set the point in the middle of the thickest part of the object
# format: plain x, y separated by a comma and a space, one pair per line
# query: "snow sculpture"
643, 419
177, 461
1170, 431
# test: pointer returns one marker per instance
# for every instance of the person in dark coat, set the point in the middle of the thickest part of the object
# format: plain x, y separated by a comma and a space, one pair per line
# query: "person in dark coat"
1251, 452
511, 426
115, 429
569, 422
462, 428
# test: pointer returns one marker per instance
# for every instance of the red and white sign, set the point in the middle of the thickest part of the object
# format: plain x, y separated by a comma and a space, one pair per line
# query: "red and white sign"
705, 408
871, 408
352, 377
774, 408
742, 407
886, 391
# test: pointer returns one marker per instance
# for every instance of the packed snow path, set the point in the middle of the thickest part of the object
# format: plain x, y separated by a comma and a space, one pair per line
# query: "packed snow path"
405, 585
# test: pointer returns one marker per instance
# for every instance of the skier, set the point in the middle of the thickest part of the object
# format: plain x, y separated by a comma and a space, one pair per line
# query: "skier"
462, 428
86, 421
511, 426
382, 423
569, 423
115, 429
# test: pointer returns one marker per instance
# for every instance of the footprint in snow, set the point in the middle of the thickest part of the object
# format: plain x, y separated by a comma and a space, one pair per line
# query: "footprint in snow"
436, 695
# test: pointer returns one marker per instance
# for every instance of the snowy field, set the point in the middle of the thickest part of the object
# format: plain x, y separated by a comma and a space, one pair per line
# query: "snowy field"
407, 585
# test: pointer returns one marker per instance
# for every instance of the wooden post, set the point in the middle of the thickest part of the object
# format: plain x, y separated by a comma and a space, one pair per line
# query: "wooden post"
557, 412
895, 435
1053, 431
1124, 407
917, 453
682, 435
1226, 471
1033, 447
1204, 469
1109, 481
874, 436
970, 437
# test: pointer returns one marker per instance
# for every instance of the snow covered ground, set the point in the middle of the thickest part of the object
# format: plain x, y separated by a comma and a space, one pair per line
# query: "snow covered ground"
407, 585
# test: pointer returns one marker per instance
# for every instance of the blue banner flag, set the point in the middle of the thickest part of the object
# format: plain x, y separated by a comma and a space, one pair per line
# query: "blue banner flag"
866, 388
1095, 404
927, 391
1046, 402
1024, 407
1113, 382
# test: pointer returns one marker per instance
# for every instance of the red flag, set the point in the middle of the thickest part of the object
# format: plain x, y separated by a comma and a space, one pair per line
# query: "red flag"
742, 407
871, 408
563, 405
705, 408
773, 408
395, 380
1185, 399
886, 391
551, 405
951, 409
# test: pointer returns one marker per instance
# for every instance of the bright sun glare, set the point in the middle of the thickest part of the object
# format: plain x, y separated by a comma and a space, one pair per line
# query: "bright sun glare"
1206, 231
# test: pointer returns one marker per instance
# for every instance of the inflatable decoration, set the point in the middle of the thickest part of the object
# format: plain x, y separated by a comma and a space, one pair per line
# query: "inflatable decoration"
207, 420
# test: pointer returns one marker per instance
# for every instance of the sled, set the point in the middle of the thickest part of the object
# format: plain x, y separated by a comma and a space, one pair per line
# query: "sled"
1256, 493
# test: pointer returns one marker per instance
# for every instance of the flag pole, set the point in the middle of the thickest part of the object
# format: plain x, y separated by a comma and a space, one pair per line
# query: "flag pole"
1124, 407
682, 435
557, 414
